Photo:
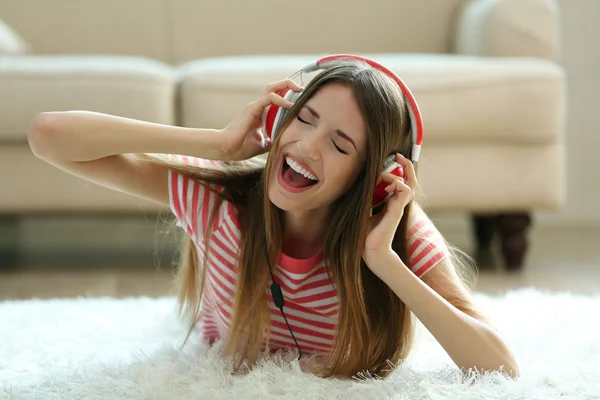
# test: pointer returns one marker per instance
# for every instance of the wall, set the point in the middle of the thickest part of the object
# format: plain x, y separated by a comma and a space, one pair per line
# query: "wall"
581, 58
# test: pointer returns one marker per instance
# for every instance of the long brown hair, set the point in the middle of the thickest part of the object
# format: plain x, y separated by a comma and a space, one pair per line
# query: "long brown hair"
374, 330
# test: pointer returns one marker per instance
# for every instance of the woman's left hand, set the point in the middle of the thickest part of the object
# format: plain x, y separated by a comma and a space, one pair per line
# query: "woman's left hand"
382, 226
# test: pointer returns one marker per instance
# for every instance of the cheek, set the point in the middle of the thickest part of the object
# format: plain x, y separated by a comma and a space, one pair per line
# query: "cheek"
283, 139
293, 130
342, 175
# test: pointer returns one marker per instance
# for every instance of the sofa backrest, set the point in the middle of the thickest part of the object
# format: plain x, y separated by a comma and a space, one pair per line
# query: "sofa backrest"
176, 31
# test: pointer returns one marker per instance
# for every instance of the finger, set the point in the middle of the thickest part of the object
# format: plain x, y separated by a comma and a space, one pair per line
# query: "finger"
410, 177
402, 187
388, 177
274, 98
392, 214
259, 137
401, 195
258, 107
263, 139
396, 185
282, 84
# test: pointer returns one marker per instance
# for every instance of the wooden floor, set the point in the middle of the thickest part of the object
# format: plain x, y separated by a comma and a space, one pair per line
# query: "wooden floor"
557, 261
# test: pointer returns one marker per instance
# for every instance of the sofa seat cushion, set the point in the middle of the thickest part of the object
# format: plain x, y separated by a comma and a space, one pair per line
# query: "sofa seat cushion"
36, 186
133, 87
462, 98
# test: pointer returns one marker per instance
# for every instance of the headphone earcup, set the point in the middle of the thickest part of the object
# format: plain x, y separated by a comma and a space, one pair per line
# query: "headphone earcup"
274, 115
380, 196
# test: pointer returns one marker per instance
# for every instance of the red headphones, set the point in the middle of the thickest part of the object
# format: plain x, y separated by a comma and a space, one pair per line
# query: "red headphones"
274, 115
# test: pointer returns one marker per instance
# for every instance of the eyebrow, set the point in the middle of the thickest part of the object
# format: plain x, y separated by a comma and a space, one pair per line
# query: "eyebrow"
339, 132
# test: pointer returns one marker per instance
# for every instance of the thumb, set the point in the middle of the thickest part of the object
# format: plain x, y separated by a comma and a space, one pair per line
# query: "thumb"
262, 141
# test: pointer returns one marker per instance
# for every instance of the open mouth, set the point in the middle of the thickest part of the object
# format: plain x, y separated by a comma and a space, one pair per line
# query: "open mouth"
296, 177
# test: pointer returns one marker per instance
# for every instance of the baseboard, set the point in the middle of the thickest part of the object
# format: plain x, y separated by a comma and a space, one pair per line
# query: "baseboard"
541, 221
94, 234
149, 235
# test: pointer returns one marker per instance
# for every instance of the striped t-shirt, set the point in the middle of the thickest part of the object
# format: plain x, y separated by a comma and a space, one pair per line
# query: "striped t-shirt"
311, 303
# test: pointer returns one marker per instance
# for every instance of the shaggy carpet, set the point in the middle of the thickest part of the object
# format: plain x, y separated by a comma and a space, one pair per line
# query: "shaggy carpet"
102, 348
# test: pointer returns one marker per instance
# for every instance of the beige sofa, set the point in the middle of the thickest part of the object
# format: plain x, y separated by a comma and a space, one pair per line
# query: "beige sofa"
483, 71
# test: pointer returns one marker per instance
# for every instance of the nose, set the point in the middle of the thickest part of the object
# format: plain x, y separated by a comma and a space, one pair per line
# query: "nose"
311, 145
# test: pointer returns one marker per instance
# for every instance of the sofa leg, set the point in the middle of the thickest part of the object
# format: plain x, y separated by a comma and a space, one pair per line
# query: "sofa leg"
9, 254
513, 238
485, 227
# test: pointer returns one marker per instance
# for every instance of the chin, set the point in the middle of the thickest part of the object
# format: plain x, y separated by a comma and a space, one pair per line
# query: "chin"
285, 204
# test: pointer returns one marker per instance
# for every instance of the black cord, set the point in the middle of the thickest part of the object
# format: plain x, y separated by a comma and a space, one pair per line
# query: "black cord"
278, 299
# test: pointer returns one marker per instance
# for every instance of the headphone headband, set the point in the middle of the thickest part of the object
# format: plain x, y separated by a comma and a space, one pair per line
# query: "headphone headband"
416, 120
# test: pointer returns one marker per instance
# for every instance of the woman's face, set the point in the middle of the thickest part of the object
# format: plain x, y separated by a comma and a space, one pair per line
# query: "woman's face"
326, 143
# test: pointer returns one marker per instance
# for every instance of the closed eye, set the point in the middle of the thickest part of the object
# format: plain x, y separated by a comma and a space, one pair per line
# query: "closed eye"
338, 149
336, 146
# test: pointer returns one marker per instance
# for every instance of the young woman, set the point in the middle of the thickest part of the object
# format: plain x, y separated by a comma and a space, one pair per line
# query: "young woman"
295, 215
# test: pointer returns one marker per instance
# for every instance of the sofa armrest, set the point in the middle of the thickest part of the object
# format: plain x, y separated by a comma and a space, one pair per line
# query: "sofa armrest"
509, 28
11, 42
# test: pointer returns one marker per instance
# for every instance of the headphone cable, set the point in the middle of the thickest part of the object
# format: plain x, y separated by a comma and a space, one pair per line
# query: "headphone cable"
278, 299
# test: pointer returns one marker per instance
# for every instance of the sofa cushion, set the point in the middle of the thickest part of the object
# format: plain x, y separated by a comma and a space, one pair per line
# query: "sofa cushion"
509, 28
11, 42
34, 185
132, 87
467, 98
457, 186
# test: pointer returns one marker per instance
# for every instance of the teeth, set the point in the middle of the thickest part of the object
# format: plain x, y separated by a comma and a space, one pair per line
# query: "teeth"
299, 169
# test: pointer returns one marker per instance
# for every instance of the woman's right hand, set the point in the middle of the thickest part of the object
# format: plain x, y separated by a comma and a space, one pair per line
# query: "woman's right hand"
243, 138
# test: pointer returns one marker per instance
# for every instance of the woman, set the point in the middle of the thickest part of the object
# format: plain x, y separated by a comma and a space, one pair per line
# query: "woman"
299, 221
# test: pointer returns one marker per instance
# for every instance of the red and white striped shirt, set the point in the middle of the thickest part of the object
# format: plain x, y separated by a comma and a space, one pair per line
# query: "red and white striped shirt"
311, 303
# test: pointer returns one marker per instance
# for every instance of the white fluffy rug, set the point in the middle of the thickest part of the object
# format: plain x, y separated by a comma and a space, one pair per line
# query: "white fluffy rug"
129, 349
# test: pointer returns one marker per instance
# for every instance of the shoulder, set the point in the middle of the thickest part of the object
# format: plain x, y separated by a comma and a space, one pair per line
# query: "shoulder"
419, 223
426, 246
196, 202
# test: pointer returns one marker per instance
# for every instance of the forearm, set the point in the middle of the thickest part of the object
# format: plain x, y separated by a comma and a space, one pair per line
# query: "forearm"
469, 342
85, 136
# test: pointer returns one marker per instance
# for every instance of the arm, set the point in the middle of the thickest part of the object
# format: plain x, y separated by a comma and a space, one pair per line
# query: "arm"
446, 311
87, 136
509, 28
96, 147
468, 341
